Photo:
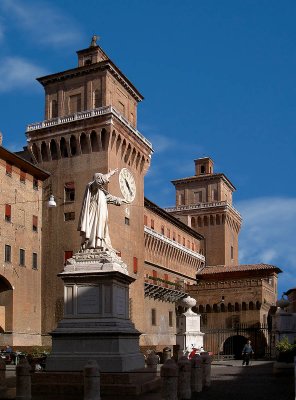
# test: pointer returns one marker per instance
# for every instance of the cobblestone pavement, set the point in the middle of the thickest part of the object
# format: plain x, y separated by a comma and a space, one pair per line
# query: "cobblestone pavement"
231, 381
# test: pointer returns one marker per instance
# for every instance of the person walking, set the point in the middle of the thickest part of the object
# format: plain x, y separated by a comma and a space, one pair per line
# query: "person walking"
247, 353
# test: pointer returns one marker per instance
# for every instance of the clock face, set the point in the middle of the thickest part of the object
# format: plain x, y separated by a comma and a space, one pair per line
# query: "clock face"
127, 184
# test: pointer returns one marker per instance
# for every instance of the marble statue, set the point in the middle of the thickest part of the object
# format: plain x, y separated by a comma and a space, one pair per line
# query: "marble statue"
93, 220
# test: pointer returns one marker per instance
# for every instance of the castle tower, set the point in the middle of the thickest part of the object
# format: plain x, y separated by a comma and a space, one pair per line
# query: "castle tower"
90, 126
204, 202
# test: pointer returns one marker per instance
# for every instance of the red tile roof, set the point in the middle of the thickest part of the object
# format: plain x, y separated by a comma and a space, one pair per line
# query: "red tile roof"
221, 269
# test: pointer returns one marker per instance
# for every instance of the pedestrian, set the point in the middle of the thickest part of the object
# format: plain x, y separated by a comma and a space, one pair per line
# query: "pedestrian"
247, 353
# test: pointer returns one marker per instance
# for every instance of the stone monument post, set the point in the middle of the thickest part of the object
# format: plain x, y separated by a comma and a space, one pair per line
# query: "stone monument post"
188, 326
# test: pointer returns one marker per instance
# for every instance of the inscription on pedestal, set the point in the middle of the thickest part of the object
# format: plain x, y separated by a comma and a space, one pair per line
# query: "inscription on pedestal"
88, 300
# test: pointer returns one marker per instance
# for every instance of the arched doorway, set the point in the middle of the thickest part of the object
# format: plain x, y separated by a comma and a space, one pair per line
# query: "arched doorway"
234, 345
6, 308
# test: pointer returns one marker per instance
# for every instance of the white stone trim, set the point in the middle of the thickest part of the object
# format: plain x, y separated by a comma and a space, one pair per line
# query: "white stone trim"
171, 242
85, 115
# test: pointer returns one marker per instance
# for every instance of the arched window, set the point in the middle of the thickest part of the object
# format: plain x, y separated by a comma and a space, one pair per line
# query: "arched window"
199, 221
138, 159
44, 152
208, 308
63, 148
236, 307
258, 305
35, 152
113, 137
53, 150
193, 225
229, 307
94, 141
104, 139
215, 308
244, 306
217, 219
211, 220
73, 145
142, 163
201, 309
206, 221
251, 305
83, 143
222, 307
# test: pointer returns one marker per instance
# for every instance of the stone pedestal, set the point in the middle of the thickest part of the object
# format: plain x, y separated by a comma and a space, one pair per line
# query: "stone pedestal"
96, 324
189, 334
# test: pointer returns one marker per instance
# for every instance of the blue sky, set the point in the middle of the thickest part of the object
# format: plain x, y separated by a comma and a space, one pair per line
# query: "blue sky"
218, 79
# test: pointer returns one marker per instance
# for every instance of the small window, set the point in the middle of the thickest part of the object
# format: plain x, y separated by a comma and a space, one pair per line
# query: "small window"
8, 212
126, 221
69, 216
69, 192
168, 233
22, 176
7, 256
8, 169
231, 252
152, 224
162, 230
22, 257
153, 316
67, 254
170, 318
35, 223
54, 108
34, 261
35, 184
135, 265
174, 236
145, 220
184, 241
202, 169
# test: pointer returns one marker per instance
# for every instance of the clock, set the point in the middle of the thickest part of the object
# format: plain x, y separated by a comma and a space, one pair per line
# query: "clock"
127, 185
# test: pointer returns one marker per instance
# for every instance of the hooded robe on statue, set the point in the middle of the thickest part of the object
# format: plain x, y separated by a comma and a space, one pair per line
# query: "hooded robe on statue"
93, 220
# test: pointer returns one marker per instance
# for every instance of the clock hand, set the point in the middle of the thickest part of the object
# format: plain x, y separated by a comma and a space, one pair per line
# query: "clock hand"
128, 187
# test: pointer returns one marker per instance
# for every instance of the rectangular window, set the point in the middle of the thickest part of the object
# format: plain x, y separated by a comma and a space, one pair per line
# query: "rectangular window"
67, 254
135, 265
22, 176
22, 257
231, 252
69, 216
154, 273
184, 242
174, 236
8, 169
162, 229
166, 278
8, 212
35, 223
35, 184
75, 103
69, 189
168, 233
170, 318
34, 261
145, 220
192, 246
152, 224
153, 316
179, 239
126, 221
7, 256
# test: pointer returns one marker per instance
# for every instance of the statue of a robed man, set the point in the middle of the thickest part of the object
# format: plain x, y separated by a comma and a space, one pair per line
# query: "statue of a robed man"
93, 220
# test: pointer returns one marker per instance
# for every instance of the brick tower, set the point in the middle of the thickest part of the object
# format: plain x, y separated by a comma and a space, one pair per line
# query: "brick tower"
204, 202
90, 126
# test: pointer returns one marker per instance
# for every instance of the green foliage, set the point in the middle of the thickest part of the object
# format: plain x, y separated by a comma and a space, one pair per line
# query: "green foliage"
284, 345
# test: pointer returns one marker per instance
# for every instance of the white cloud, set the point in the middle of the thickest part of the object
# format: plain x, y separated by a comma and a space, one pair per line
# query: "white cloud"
17, 72
268, 235
42, 21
